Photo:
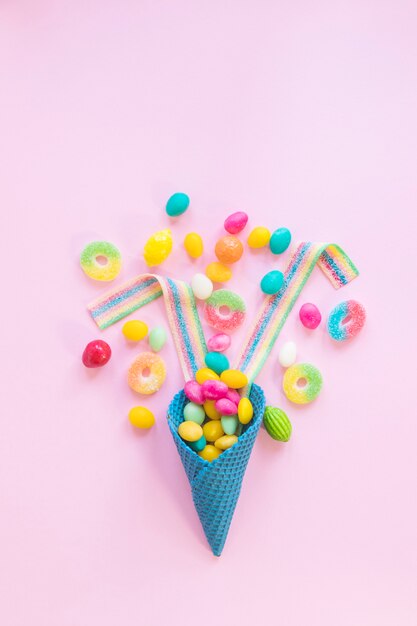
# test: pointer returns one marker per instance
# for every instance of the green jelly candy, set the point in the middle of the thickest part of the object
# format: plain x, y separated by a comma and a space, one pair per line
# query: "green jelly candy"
177, 204
199, 445
194, 413
217, 362
272, 282
277, 424
280, 240
229, 424
157, 338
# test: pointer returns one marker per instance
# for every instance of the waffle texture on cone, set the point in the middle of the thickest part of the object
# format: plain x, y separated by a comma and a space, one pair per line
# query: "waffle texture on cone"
216, 486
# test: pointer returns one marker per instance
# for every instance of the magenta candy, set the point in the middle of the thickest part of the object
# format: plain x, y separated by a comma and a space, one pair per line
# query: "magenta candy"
194, 392
236, 222
310, 316
233, 396
219, 342
214, 389
226, 407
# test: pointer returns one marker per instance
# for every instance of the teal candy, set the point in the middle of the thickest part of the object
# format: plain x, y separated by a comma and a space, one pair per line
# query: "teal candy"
217, 362
157, 338
177, 204
280, 240
194, 413
199, 445
229, 424
272, 282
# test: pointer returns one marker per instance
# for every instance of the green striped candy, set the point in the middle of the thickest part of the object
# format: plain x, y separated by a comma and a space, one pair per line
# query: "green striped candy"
277, 424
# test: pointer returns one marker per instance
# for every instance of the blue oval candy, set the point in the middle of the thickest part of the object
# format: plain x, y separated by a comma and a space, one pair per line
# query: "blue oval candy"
217, 362
199, 445
177, 204
280, 240
272, 282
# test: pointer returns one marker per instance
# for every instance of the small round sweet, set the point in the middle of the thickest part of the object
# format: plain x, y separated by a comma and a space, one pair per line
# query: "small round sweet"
147, 373
194, 392
210, 453
213, 430
158, 247
193, 245
219, 342
210, 410
101, 260
214, 389
141, 417
202, 286
218, 272
225, 407
204, 374
157, 338
194, 413
272, 282
288, 354
235, 379
259, 237
228, 249
224, 310
135, 330
177, 204
346, 320
245, 411
236, 222
280, 240
96, 353
190, 431
216, 361
229, 424
233, 396
309, 375
199, 445
310, 316
225, 442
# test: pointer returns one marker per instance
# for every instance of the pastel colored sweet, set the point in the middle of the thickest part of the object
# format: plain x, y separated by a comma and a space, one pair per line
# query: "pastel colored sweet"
194, 392
280, 240
190, 431
226, 407
213, 430
135, 330
199, 445
224, 310
259, 237
214, 389
141, 417
272, 282
346, 320
158, 247
193, 245
96, 353
154, 366
218, 272
233, 396
277, 424
234, 378
288, 354
228, 249
177, 204
219, 342
157, 338
306, 373
205, 373
210, 453
236, 222
309, 315
94, 253
216, 361
202, 286
245, 411
226, 442
210, 410
194, 413
229, 424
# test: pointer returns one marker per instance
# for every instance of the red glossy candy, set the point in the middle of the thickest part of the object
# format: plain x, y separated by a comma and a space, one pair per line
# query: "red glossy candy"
96, 354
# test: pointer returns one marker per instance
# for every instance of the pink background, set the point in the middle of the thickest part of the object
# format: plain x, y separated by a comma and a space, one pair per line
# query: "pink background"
301, 113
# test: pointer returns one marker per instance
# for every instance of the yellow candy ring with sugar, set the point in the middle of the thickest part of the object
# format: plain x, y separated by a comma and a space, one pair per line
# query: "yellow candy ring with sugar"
98, 251
147, 373
309, 375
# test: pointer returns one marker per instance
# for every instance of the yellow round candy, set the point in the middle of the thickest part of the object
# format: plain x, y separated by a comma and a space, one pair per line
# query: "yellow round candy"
209, 453
141, 417
135, 330
245, 411
259, 237
158, 247
210, 410
213, 430
234, 379
205, 374
193, 245
218, 272
225, 442
190, 431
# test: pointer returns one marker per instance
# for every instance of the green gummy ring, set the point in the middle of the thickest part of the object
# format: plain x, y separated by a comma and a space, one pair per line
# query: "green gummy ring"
95, 270
308, 393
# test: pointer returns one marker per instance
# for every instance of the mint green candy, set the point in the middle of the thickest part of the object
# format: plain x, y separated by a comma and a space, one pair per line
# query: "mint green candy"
157, 338
177, 204
272, 282
280, 240
194, 413
229, 424
217, 362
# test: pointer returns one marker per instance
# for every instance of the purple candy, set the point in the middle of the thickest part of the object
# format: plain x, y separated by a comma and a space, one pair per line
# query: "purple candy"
219, 342
233, 396
236, 222
194, 392
310, 316
226, 407
214, 389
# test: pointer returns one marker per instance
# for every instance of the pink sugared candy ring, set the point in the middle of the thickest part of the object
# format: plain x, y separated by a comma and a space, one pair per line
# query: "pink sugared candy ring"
224, 310
219, 342
310, 316
346, 320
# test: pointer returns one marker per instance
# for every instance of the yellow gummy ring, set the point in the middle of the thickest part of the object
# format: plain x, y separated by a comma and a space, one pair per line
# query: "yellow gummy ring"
98, 251
147, 373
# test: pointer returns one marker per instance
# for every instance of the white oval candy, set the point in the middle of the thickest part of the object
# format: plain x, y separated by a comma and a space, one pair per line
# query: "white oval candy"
287, 354
202, 286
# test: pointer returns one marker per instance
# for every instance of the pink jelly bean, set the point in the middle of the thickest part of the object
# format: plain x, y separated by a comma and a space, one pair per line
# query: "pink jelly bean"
194, 392
233, 396
310, 316
219, 342
226, 407
236, 222
214, 389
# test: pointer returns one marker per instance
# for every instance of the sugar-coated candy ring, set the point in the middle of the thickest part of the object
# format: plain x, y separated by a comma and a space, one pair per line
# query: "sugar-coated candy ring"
313, 383
224, 320
354, 314
156, 369
89, 260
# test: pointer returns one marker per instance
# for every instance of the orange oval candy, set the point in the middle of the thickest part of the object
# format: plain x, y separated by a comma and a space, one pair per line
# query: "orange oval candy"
229, 249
